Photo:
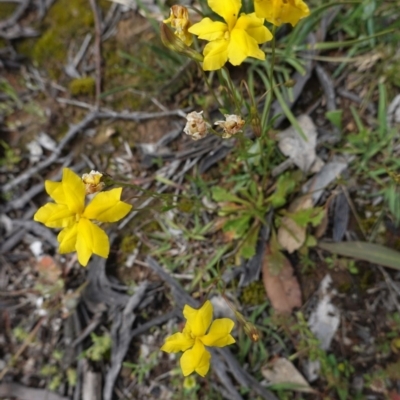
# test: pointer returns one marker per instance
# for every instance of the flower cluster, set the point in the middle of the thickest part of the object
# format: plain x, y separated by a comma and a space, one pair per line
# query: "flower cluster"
196, 335
241, 34
197, 127
69, 212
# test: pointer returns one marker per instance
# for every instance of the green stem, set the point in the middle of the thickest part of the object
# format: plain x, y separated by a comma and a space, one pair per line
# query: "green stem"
209, 85
264, 129
230, 87
271, 77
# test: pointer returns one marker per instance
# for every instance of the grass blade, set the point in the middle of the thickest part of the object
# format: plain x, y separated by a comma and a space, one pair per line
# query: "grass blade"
371, 252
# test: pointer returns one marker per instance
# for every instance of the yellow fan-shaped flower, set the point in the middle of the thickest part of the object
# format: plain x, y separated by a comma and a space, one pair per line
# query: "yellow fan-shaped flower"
198, 333
235, 40
69, 212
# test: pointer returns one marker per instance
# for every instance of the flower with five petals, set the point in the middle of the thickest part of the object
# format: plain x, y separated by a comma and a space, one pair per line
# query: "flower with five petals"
234, 40
69, 212
196, 335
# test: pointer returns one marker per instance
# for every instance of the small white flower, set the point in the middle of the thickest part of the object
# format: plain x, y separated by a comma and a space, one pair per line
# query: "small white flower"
231, 126
93, 182
196, 126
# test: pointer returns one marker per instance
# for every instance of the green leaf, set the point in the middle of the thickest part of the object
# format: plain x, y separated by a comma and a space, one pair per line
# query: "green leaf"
311, 216
248, 248
371, 252
335, 117
284, 186
238, 226
220, 194
275, 260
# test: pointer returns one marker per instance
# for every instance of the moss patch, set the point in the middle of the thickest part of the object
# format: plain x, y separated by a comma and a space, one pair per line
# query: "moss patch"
66, 23
7, 9
82, 86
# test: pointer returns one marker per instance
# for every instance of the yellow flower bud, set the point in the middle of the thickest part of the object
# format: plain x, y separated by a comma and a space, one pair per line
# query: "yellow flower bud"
179, 20
249, 328
174, 43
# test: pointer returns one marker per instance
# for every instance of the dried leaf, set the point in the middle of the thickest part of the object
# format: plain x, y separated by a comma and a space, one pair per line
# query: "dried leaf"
282, 371
292, 236
283, 290
393, 395
292, 145
323, 226
323, 322
340, 217
48, 270
329, 172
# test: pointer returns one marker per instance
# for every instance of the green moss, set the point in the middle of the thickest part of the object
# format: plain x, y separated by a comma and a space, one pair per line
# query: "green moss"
70, 17
7, 9
49, 50
253, 294
185, 205
66, 21
128, 244
82, 86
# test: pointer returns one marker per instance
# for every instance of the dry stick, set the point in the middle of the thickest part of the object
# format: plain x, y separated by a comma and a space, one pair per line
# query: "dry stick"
97, 50
139, 115
72, 132
24, 345
53, 158
16, 16
21, 392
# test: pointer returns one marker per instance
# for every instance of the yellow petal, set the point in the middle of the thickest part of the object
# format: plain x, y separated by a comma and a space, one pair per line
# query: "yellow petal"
293, 11
209, 30
215, 55
198, 320
74, 191
107, 207
91, 239
254, 26
281, 11
227, 9
196, 359
54, 215
55, 191
241, 46
177, 342
219, 333
67, 238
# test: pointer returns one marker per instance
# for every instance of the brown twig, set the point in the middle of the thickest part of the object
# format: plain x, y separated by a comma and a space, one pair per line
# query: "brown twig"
97, 50
24, 345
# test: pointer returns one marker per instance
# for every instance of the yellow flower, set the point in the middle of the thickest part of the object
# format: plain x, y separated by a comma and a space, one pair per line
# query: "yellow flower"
279, 12
234, 40
179, 20
194, 338
69, 212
